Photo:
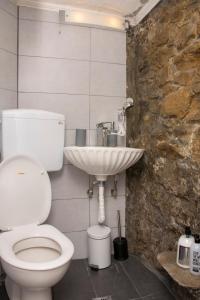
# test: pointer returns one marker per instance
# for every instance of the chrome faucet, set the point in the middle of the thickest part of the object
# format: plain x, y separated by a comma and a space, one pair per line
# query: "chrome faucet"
102, 132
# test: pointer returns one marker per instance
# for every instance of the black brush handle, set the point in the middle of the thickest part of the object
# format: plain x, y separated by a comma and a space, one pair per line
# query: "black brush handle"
119, 225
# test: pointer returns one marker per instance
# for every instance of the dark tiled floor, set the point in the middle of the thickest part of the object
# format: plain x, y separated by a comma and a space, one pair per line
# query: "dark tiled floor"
128, 280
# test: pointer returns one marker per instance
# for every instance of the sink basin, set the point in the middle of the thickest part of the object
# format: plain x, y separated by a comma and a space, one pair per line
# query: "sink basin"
102, 161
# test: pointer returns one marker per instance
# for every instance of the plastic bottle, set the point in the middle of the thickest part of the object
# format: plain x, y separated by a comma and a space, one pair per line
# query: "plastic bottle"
183, 250
195, 256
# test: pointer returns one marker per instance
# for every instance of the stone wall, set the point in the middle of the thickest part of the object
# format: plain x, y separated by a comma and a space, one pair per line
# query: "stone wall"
164, 79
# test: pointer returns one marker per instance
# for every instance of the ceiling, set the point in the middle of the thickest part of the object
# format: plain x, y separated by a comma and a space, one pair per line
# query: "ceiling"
121, 7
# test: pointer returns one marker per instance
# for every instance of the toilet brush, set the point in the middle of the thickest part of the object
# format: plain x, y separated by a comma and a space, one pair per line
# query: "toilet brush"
120, 243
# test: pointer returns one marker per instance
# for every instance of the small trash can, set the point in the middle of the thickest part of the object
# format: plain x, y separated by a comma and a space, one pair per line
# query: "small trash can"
99, 247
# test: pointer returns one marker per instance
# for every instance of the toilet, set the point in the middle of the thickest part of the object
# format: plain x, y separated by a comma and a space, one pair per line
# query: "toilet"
34, 256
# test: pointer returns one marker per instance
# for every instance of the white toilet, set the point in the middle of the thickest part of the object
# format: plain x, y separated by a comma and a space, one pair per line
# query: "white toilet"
34, 256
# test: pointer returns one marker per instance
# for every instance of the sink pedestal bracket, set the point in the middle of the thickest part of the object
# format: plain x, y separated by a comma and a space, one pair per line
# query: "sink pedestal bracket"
101, 213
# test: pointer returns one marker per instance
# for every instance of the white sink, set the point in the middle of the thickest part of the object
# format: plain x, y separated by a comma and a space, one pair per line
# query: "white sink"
102, 161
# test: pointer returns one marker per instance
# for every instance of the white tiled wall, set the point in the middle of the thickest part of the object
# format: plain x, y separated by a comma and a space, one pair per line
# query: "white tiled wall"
8, 55
81, 73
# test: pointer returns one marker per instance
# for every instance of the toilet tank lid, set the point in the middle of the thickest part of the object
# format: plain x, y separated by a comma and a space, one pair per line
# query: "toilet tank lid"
25, 192
32, 114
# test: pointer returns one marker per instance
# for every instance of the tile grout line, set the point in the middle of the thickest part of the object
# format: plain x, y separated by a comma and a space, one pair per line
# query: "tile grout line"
130, 279
84, 198
75, 24
75, 231
90, 279
90, 178
143, 297
8, 51
155, 273
84, 230
69, 199
17, 57
90, 79
71, 94
8, 12
73, 59
8, 90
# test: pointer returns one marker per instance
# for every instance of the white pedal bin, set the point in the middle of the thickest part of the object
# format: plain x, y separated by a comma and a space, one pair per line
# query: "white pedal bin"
99, 246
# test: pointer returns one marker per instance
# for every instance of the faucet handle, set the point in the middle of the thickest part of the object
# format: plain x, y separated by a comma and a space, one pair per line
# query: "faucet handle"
102, 132
102, 125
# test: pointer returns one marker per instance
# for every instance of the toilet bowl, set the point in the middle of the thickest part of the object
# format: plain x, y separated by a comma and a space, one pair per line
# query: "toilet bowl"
34, 256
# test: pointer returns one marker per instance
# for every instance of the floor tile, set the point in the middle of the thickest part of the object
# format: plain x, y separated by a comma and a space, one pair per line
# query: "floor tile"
128, 280
113, 282
166, 295
145, 281
75, 285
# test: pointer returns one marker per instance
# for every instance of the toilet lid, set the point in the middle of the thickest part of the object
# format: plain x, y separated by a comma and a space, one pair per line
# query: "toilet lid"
25, 192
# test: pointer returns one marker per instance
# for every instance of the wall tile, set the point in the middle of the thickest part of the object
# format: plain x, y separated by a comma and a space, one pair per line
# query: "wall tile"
8, 32
8, 99
8, 70
9, 7
70, 137
38, 74
79, 240
70, 141
111, 207
120, 184
8, 60
114, 232
93, 137
74, 107
108, 46
108, 79
103, 109
54, 40
49, 82
110, 185
69, 183
70, 215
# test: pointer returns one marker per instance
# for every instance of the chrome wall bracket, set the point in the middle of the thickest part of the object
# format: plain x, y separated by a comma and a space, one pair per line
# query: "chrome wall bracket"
114, 190
92, 183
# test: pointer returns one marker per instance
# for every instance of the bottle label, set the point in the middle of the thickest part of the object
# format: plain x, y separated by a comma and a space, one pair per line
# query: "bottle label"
196, 261
184, 256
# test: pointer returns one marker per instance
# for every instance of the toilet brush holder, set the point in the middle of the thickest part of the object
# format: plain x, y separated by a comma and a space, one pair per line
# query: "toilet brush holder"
120, 248
120, 244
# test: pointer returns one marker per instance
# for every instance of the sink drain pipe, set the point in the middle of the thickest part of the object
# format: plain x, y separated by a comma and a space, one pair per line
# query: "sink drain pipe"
101, 213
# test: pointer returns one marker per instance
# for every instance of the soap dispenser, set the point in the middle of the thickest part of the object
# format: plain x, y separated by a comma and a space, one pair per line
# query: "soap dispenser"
195, 256
183, 251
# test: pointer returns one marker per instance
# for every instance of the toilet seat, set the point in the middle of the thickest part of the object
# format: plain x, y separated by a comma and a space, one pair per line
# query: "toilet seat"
34, 256
25, 204
9, 239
